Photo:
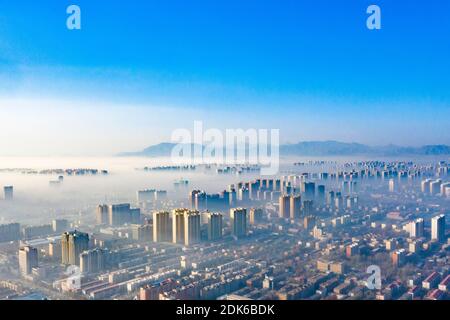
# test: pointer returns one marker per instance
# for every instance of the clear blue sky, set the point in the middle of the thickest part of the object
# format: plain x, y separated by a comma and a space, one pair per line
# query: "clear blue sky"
304, 66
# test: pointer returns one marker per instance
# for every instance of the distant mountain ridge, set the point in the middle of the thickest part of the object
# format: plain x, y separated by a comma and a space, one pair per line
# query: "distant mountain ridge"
316, 148
335, 148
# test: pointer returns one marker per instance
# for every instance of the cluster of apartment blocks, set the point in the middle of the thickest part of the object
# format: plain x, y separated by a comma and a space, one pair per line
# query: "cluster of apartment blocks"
287, 189
434, 286
73, 248
117, 214
183, 226
181, 236
435, 187
260, 189
14, 231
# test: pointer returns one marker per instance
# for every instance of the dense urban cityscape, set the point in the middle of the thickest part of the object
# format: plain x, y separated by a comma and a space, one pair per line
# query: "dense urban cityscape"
310, 234
245, 159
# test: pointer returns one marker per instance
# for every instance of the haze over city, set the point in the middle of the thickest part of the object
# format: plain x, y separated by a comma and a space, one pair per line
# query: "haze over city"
349, 198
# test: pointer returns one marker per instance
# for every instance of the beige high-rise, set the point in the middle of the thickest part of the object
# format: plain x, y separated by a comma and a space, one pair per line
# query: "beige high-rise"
161, 226
191, 227
178, 225
28, 259
72, 245
295, 207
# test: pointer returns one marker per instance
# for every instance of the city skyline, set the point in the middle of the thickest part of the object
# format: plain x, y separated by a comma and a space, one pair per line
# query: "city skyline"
235, 153
364, 230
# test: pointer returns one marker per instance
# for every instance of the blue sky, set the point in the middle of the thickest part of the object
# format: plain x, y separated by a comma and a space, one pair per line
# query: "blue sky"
311, 68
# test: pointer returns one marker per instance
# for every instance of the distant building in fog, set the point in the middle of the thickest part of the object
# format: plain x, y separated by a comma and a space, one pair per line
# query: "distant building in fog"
284, 206
143, 233
310, 190
308, 207
9, 232
391, 185
256, 215
8, 192
146, 195
119, 214
102, 216
60, 225
93, 261
37, 231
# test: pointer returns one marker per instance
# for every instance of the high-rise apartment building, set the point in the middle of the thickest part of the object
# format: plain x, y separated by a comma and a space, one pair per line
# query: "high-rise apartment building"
54, 249
120, 214
215, 226
102, 214
178, 225
142, 233
8, 192
295, 207
30, 232
160, 195
243, 195
438, 228
238, 218
391, 185
435, 187
416, 228
191, 227
60, 225
309, 222
330, 198
425, 185
310, 190
193, 197
284, 206
146, 195
444, 186
28, 259
256, 215
161, 226
338, 201
72, 245
321, 194
93, 261
9, 232
398, 257
308, 207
